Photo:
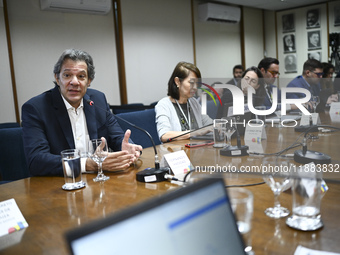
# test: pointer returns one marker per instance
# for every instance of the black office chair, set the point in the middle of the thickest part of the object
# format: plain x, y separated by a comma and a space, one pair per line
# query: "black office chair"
117, 109
144, 119
9, 125
13, 165
212, 108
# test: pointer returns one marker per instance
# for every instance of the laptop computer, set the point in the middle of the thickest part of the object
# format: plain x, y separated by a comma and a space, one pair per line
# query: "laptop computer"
196, 219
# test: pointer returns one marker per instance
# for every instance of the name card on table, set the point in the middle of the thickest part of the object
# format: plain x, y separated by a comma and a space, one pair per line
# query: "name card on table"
11, 219
306, 118
335, 108
178, 162
255, 133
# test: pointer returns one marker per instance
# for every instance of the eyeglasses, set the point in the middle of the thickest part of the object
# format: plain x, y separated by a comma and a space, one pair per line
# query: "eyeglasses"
273, 73
250, 81
318, 74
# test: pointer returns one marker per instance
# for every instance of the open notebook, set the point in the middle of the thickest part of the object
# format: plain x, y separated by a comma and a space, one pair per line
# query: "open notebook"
196, 219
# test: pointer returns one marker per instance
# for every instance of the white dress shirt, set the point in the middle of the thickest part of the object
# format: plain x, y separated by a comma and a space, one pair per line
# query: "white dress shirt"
79, 130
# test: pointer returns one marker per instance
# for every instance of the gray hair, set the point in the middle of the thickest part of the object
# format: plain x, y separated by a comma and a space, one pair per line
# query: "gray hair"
75, 55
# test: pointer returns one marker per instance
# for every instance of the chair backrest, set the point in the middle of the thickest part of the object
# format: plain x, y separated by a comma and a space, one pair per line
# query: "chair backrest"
212, 108
13, 165
9, 125
143, 119
117, 109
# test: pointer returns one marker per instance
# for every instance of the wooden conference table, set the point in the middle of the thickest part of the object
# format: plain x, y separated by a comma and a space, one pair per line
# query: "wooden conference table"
51, 211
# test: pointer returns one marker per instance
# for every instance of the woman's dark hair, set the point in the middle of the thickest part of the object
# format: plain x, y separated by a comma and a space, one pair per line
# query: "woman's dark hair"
259, 96
182, 71
75, 55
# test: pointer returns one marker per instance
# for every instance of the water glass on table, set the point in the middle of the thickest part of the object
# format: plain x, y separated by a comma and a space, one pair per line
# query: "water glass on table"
306, 189
219, 133
72, 169
242, 203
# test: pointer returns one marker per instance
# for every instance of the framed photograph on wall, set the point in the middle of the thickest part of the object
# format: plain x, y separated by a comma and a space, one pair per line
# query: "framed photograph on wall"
313, 18
314, 55
313, 38
337, 15
288, 23
289, 43
290, 63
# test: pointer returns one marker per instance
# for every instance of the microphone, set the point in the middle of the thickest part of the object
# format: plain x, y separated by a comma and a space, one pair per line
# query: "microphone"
190, 131
305, 156
234, 151
156, 174
173, 138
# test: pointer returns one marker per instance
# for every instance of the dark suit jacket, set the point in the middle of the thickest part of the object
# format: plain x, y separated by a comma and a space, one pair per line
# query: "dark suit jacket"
47, 129
267, 101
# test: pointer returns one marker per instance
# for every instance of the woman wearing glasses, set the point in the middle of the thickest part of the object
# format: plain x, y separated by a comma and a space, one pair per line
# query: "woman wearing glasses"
252, 77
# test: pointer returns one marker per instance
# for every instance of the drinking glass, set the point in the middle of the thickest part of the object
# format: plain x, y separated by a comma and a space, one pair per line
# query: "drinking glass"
72, 171
98, 152
219, 133
242, 203
230, 129
275, 172
315, 100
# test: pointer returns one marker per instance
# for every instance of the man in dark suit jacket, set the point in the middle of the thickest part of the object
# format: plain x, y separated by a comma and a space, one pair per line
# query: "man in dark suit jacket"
270, 71
62, 118
237, 75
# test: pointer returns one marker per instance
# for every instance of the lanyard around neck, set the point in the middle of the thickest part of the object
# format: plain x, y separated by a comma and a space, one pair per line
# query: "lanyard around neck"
185, 117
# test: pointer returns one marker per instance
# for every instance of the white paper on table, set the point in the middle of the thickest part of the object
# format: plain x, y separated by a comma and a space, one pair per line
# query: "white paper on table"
300, 250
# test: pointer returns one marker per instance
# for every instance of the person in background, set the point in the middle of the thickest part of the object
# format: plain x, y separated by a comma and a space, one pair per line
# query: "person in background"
237, 73
180, 112
310, 80
270, 70
327, 78
328, 94
251, 77
336, 83
61, 118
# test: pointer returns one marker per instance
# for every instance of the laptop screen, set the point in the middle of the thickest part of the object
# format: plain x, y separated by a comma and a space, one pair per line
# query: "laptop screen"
197, 219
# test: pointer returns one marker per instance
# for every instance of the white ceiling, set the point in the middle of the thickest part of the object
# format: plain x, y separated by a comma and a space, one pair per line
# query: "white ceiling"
273, 5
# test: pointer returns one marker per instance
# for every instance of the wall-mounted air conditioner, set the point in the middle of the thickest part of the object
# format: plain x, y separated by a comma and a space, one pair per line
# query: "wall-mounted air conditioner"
219, 13
101, 7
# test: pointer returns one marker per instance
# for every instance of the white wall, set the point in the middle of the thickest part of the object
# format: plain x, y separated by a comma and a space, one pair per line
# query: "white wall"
253, 36
7, 108
269, 34
218, 48
157, 35
39, 38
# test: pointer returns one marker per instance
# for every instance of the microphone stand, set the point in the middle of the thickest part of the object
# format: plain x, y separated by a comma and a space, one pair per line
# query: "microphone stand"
156, 174
305, 156
235, 151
